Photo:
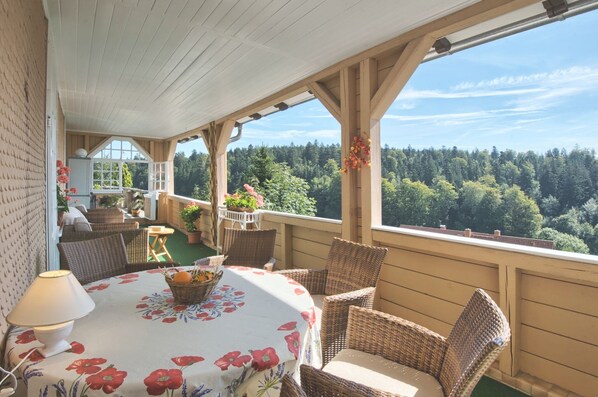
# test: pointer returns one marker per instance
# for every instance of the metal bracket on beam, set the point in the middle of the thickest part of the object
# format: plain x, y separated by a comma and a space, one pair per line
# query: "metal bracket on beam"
555, 7
442, 45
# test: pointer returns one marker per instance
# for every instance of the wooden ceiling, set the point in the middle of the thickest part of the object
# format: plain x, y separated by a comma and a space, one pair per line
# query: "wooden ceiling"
158, 68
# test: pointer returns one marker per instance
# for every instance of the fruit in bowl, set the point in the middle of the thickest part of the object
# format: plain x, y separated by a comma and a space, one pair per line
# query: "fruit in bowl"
183, 277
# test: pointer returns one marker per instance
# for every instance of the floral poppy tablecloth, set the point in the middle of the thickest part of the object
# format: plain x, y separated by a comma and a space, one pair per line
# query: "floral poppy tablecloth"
255, 327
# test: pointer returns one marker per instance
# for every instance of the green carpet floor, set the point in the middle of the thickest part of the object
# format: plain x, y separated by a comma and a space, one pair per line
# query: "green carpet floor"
488, 387
185, 254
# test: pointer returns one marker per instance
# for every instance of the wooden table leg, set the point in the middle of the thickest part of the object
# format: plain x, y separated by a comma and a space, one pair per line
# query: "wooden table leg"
162, 249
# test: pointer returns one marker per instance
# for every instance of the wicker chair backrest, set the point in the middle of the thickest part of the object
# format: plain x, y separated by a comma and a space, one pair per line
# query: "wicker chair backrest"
96, 259
252, 248
479, 335
352, 266
290, 388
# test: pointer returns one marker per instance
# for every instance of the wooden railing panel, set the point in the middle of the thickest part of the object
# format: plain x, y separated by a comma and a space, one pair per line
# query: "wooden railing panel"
399, 310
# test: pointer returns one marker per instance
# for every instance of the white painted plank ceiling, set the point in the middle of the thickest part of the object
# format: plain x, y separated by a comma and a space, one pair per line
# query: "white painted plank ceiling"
157, 68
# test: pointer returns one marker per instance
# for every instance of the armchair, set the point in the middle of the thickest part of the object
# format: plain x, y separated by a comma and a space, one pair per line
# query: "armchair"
349, 278
391, 355
253, 248
96, 259
136, 239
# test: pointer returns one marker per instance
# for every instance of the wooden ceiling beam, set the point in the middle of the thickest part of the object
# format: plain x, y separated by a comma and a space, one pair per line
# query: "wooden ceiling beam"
327, 98
400, 73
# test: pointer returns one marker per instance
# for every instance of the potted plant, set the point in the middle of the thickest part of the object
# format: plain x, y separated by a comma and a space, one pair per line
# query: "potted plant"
244, 201
189, 214
62, 193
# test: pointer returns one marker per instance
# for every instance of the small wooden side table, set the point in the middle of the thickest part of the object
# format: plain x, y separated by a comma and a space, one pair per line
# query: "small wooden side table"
157, 247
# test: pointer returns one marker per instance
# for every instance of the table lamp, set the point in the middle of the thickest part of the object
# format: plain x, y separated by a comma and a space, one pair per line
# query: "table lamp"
50, 305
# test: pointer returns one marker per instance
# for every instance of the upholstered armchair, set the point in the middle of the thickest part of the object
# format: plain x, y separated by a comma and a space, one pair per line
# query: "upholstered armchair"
350, 278
387, 355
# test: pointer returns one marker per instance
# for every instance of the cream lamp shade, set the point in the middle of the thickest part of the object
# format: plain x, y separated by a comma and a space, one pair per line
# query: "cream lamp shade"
50, 305
81, 152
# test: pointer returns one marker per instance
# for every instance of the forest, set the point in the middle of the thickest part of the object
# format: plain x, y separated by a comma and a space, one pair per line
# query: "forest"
551, 196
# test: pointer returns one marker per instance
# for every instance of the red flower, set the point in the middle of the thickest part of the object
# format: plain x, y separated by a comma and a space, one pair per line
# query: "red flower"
184, 361
180, 308
309, 316
127, 276
161, 379
98, 287
264, 359
299, 291
154, 271
108, 380
34, 357
142, 306
293, 343
127, 281
25, 337
76, 348
288, 326
232, 358
86, 366
169, 320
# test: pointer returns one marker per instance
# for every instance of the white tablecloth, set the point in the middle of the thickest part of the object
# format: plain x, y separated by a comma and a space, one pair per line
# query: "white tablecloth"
255, 327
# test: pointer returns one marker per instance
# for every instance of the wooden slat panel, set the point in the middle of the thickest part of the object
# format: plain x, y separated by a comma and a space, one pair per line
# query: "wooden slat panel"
452, 291
565, 351
431, 323
559, 321
477, 275
570, 296
307, 261
314, 235
568, 378
310, 247
439, 309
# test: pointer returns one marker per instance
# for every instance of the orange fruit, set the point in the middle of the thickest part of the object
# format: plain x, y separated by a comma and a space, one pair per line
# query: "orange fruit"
182, 277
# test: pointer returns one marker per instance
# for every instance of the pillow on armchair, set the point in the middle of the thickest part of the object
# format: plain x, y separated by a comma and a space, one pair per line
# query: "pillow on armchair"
71, 215
82, 224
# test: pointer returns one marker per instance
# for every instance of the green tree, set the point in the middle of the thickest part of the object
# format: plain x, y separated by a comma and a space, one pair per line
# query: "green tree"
444, 201
521, 214
288, 193
262, 166
127, 178
564, 241
414, 203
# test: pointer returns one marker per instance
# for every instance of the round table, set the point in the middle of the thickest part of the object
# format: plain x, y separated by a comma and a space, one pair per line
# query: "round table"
255, 327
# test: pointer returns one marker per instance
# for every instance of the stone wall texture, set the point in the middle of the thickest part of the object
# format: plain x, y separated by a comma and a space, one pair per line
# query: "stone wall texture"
23, 42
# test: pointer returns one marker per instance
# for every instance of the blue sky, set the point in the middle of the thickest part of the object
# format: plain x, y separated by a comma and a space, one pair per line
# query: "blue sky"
536, 90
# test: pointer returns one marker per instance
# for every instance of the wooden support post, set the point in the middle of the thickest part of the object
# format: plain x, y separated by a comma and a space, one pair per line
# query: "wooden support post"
171, 151
216, 138
327, 99
348, 105
370, 177
286, 240
510, 295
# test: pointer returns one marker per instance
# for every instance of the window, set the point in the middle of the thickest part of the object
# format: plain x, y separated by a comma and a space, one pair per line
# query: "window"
109, 160
159, 176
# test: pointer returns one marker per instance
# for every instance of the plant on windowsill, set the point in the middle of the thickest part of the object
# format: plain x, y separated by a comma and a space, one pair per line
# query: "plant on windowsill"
62, 193
189, 214
244, 201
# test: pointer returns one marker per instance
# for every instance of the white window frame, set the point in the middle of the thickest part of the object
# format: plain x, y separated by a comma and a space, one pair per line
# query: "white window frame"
158, 176
118, 188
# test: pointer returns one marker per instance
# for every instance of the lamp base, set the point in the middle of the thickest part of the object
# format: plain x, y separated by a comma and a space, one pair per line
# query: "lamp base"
53, 337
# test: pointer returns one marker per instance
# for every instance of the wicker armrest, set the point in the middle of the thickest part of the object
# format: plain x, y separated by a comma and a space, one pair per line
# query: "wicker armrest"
335, 315
290, 388
102, 227
395, 339
269, 266
316, 382
313, 280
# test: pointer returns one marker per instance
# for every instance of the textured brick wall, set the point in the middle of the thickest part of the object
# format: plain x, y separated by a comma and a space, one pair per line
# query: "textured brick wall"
23, 34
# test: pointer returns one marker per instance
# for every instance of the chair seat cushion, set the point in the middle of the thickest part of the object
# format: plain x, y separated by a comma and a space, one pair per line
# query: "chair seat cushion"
382, 374
318, 305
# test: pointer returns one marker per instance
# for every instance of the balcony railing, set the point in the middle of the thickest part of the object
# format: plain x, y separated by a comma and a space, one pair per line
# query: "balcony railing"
548, 296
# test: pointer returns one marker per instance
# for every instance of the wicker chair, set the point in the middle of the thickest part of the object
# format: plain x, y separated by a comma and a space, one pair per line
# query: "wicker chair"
96, 259
104, 215
388, 353
290, 388
253, 248
350, 278
136, 240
